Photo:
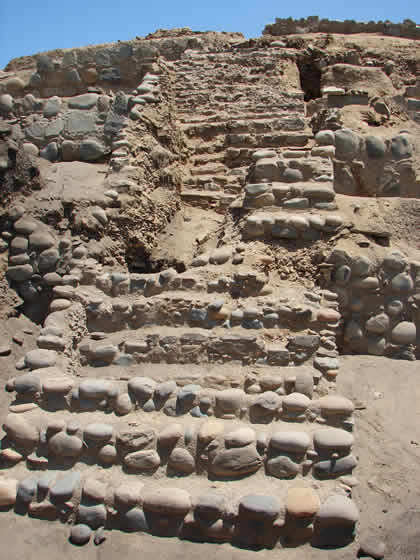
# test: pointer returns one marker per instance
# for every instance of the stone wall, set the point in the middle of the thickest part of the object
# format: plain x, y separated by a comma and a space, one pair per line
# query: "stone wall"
379, 303
313, 24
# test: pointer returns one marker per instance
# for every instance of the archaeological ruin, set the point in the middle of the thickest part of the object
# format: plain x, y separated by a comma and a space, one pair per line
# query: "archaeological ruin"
196, 228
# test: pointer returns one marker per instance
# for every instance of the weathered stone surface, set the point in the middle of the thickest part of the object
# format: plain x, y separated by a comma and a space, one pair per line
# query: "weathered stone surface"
94, 388
64, 445
28, 383
93, 516
347, 144
100, 214
338, 510
80, 534
142, 461
181, 461
375, 147
107, 455
335, 404
20, 273
91, 150
98, 432
50, 152
8, 489
47, 260
304, 384
142, 387
378, 324
168, 501
404, 333
63, 489
292, 442
164, 390
80, 123
302, 502
133, 520
187, 397
45, 481
402, 283
296, 403
52, 107
240, 437
230, 401
334, 468
6, 104
268, 402
333, 439
41, 358
135, 438
26, 489
325, 138
236, 461
20, 430
85, 101
123, 404
221, 255
401, 146
259, 507
282, 467
210, 430
94, 489
128, 495
170, 435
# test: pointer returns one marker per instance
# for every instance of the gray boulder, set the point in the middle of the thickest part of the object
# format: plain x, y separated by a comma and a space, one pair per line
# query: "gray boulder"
91, 150
84, 101
63, 489
236, 462
259, 507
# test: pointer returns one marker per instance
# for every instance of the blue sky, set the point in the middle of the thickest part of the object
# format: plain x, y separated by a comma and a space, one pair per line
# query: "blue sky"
31, 26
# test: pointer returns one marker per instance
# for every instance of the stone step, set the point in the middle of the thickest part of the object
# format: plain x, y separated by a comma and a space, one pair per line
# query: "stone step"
207, 199
222, 116
211, 168
185, 345
210, 311
208, 129
245, 109
284, 226
190, 508
275, 140
290, 196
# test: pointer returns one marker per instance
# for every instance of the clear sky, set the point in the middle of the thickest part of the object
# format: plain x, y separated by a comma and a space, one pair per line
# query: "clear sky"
31, 26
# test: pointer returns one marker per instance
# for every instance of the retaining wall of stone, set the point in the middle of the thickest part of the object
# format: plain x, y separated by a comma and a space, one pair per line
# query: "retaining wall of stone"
313, 24
379, 302
252, 520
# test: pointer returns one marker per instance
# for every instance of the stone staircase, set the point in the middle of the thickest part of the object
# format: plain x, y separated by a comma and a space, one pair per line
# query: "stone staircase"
239, 113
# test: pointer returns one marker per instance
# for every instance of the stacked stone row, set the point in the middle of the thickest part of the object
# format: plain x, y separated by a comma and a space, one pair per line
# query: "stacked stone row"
78, 128
186, 450
379, 302
304, 227
267, 399
146, 92
412, 100
371, 165
293, 183
114, 314
252, 520
38, 260
299, 196
84, 127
